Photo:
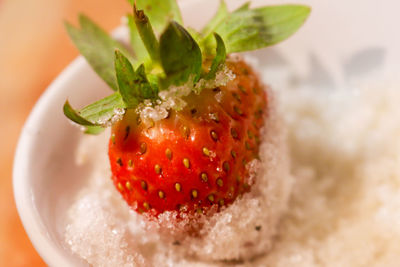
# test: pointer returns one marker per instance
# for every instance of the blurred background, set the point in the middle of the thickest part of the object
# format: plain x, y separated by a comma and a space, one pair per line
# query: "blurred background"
34, 49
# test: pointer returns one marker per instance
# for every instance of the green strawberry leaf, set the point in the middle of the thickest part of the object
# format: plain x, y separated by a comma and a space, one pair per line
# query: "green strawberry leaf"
180, 55
74, 116
218, 18
95, 117
97, 114
245, 6
94, 130
148, 89
147, 35
102, 111
136, 41
219, 58
97, 47
126, 84
90, 128
246, 30
159, 12
133, 86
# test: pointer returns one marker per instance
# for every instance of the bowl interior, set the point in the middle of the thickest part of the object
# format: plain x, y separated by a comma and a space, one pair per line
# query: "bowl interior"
338, 43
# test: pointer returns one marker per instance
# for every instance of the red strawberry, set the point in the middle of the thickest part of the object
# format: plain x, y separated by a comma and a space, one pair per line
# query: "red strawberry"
196, 157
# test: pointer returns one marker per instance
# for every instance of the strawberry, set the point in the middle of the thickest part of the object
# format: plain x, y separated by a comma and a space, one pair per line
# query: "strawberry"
197, 156
191, 153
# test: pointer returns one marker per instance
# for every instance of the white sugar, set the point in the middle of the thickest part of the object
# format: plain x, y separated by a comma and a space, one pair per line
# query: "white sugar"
222, 77
344, 188
172, 98
346, 156
109, 119
96, 227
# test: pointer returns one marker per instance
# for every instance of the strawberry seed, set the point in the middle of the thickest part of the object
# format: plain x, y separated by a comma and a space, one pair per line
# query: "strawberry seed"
186, 163
178, 187
143, 148
195, 194
204, 177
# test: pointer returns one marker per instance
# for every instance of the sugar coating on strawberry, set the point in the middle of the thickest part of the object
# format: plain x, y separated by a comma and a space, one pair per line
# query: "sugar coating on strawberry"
196, 157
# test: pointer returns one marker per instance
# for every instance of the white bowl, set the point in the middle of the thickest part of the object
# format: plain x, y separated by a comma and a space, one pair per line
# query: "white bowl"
341, 40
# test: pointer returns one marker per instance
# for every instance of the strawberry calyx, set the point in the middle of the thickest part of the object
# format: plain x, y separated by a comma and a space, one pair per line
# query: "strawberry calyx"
178, 62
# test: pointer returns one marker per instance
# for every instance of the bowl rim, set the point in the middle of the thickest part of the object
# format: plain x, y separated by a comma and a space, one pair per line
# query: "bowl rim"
23, 196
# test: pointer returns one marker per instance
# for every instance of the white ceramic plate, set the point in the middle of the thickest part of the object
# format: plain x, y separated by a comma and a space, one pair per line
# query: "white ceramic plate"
342, 40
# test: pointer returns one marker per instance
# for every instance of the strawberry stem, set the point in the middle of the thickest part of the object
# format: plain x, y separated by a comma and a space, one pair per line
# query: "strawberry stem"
147, 34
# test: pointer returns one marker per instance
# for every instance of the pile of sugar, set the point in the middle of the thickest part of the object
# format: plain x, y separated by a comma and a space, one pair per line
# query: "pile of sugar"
344, 208
345, 205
